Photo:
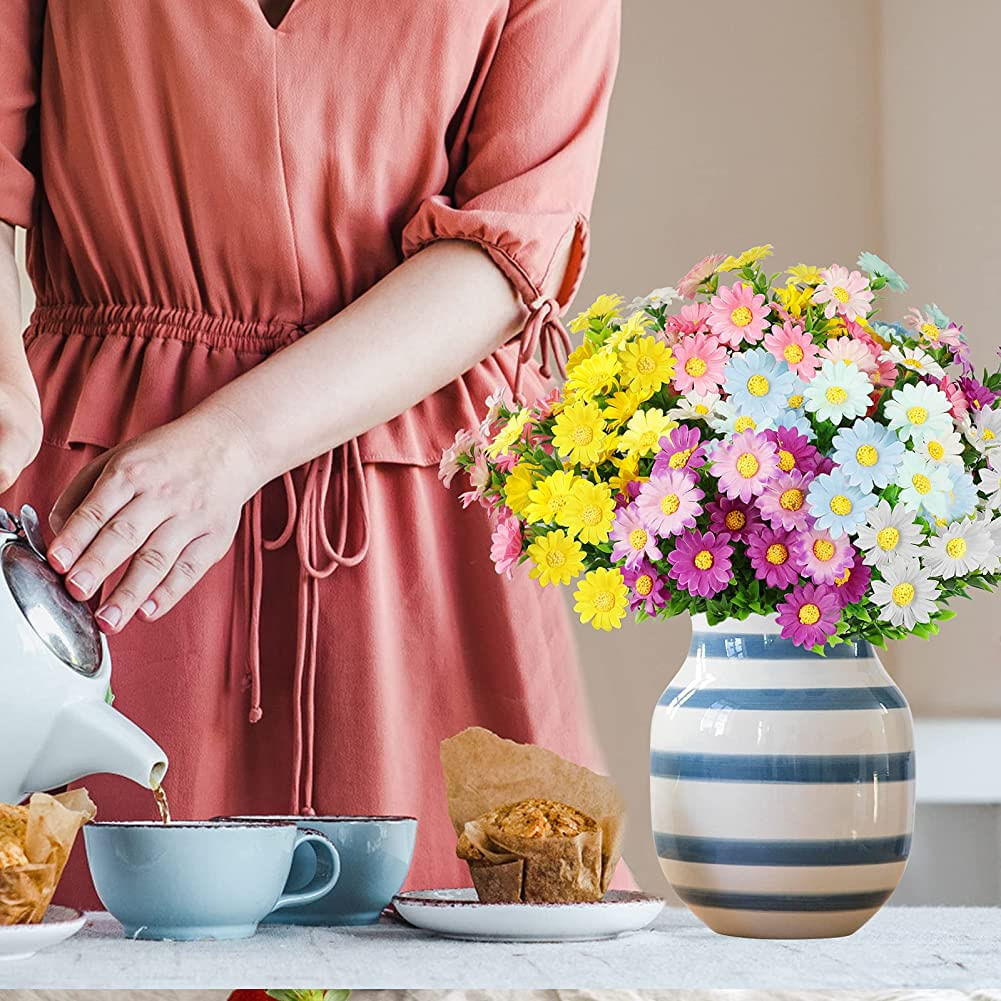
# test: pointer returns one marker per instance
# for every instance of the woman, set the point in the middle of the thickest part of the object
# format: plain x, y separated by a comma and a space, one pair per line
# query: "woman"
271, 236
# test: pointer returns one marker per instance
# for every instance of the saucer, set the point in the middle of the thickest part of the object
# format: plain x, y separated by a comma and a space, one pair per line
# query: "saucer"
23, 941
459, 914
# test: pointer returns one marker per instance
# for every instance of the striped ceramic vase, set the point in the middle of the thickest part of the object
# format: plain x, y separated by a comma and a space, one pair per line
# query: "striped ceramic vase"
782, 783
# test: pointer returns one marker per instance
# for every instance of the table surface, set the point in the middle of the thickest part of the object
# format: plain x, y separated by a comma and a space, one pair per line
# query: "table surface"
901, 947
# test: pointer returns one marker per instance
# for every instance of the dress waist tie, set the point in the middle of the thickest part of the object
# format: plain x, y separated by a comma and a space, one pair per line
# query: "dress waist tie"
546, 334
318, 559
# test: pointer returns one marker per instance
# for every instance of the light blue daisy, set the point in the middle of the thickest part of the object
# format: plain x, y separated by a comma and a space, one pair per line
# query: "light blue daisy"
961, 500
839, 391
896, 332
758, 383
868, 453
837, 505
878, 267
796, 419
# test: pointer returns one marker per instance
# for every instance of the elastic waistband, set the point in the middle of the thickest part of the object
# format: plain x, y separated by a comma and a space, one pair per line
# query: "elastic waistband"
170, 322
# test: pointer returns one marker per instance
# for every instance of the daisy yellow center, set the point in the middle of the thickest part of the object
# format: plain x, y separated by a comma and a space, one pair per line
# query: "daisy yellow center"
888, 539
555, 558
840, 293
735, 520
787, 461
645, 365
793, 354
741, 316
842, 580
836, 395
603, 601
758, 385
866, 455
638, 539
903, 595
695, 367
796, 401
988, 435
930, 331
558, 502
590, 515
921, 483
704, 559
956, 548
746, 424
936, 451
792, 499
680, 459
777, 554
701, 410
809, 614
823, 550
841, 505
748, 465
582, 435
648, 439
669, 504
917, 415
914, 363
644, 585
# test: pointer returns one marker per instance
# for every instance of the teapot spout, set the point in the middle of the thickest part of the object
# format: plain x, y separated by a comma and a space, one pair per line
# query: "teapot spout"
90, 737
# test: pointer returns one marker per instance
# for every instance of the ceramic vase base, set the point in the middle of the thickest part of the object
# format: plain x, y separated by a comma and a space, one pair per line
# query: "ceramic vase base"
769, 924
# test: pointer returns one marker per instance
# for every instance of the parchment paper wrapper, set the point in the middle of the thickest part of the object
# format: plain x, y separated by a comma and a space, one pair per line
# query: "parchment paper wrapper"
53, 824
484, 772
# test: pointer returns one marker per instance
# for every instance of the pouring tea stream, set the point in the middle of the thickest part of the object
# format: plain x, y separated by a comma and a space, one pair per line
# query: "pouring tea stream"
56, 725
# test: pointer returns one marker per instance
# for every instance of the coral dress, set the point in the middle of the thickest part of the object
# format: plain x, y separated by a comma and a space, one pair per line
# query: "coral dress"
201, 189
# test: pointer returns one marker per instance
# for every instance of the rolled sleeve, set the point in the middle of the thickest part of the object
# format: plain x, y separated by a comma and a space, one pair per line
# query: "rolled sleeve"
20, 57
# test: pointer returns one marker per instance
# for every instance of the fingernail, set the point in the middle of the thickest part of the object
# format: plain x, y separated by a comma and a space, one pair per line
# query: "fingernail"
148, 607
110, 615
61, 557
84, 580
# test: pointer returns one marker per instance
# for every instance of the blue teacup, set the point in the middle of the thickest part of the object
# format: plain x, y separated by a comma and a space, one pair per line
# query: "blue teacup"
375, 858
206, 879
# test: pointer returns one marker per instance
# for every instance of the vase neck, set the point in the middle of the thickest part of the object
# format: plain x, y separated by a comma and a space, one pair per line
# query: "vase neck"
760, 637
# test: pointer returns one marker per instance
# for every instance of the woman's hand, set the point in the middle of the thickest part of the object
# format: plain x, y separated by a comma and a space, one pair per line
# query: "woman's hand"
20, 431
167, 502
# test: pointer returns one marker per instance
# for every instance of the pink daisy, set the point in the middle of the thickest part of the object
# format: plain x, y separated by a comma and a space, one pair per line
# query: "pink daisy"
849, 350
633, 538
745, 464
690, 320
844, 292
853, 583
809, 616
699, 362
823, 559
647, 589
959, 405
461, 448
930, 332
783, 504
886, 371
737, 519
681, 449
793, 345
505, 545
698, 273
737, 314
669, 502
701, 563
794, 450
772, 557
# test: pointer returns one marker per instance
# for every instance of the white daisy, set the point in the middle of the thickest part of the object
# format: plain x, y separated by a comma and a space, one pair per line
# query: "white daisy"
957, 550
924, 487
657, 298
946, 448
918, 410
991, 524
990, 485
905, 596
726, 419
985, 430
890, 533
695, 406
838, 391
915, 359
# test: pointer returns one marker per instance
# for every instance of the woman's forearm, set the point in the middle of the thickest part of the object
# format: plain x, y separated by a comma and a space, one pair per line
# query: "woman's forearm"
423, 325
14, 371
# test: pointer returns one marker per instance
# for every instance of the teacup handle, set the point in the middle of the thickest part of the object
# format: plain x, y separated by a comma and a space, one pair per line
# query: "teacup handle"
328, 870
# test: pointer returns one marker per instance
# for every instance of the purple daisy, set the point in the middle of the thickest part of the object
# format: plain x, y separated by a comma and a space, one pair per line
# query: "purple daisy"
632, 492
734, 517
669, 502
977, 394
783, 504
633, 538
773, 557
701, 564
853, 583
745, 464
794, 450
809, 615
647, 589
822, 558
681, 449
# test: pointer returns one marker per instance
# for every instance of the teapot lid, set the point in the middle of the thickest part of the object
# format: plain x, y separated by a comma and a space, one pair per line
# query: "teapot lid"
66, 626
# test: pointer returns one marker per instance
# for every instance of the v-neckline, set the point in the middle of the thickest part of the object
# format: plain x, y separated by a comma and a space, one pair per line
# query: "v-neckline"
273, 25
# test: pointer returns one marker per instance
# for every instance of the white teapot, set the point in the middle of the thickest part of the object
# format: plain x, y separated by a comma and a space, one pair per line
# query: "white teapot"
56, 725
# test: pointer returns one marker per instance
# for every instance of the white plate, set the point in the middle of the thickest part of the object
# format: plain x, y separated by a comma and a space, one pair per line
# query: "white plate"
23, 941
459, 914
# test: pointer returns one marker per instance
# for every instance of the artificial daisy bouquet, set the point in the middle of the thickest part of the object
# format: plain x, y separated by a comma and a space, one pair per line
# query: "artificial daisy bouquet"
752, 443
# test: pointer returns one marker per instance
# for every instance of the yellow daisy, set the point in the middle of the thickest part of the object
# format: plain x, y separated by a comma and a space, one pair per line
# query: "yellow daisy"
557, 558
509, 434
805, 274
579, 433
548, 496
589, 512
620, 406
795, 299
603, 308
644, 431
518, 485
750, 256
602, 598
594, 375
628, 471
579, 354
647, 363
634, 327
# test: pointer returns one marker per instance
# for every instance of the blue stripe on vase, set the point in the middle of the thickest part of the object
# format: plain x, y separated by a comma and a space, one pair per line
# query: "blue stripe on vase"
803, 768
735, 851
785, 699
783, 901
751, 646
